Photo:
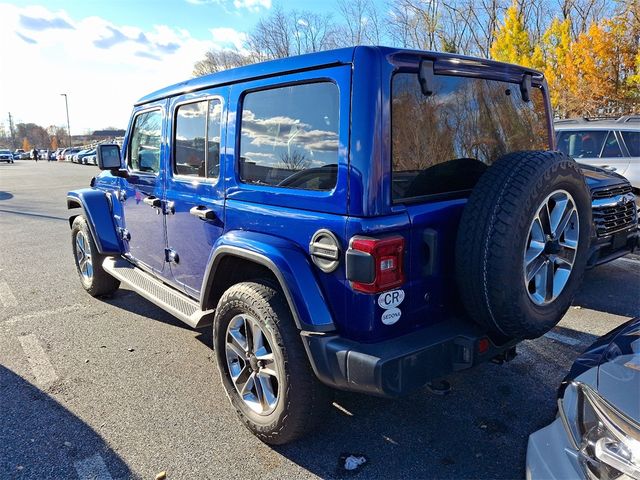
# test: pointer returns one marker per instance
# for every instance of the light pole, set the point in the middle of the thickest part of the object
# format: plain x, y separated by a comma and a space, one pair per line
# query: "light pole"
66, 104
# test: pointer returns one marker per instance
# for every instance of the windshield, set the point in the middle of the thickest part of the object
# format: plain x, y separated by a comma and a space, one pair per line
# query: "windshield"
442, 143
5, 152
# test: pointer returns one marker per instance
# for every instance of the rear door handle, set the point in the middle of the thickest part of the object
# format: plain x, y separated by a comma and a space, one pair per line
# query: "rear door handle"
153, 201
203, 212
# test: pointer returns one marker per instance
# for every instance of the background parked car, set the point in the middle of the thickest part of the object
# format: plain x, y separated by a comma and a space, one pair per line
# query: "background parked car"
597, 431
83, 154
91, 159
613, 144
68, 153
6, 156
615, 219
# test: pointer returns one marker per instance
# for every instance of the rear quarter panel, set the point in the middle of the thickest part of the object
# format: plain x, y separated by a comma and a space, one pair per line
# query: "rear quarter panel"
292, 214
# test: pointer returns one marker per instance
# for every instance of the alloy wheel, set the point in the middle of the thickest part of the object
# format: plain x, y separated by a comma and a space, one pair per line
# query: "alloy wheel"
552, 244
251, 363
83, 256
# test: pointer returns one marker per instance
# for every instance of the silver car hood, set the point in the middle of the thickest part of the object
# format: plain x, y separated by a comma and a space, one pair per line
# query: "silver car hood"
619, 382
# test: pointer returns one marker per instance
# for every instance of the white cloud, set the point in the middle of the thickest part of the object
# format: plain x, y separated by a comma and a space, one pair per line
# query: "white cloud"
252, 5
103, 67
226, 37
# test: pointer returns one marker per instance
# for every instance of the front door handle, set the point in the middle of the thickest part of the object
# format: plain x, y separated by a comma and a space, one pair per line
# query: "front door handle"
153, 201
203, 212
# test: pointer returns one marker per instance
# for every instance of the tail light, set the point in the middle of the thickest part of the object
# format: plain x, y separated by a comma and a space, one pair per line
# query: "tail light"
375, 264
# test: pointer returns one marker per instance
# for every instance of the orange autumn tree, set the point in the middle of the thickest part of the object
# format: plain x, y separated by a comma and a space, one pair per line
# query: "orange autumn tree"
597, 73
26, 146
553, 57
604, 59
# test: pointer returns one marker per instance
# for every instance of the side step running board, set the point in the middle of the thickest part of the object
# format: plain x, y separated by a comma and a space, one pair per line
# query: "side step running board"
167, 298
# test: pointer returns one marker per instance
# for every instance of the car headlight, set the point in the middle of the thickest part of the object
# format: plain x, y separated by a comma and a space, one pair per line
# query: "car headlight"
607, 441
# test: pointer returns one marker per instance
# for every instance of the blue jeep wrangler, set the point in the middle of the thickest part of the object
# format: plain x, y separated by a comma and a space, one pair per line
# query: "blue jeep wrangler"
368, 219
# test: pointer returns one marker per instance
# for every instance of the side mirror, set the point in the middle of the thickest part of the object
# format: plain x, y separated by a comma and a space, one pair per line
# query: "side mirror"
108, 157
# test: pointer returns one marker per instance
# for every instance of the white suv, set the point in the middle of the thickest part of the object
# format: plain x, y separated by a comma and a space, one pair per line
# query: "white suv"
6, 156
613, 144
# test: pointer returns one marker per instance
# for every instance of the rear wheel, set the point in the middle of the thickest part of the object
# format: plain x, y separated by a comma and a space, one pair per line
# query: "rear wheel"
263, 365
89, 261
523, 243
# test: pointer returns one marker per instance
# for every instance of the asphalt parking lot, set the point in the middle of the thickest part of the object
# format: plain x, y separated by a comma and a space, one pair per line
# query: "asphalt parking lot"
118, 388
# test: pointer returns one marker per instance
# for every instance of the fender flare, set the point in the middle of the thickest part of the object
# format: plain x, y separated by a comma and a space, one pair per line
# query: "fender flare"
290, 266
96, 208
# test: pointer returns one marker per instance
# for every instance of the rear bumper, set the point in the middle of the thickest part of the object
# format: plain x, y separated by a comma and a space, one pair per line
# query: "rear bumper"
401, 365
609, 248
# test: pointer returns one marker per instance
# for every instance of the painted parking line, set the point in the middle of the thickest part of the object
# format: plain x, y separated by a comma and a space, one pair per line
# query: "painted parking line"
562, 338
42, 314
92, 468
38, 360
6, 297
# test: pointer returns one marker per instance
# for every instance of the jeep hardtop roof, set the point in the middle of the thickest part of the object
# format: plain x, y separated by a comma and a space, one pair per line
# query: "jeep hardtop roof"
343, 56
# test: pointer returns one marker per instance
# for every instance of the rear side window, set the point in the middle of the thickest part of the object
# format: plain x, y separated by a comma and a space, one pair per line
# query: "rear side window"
611, 147
632, 141
289, 137
442, 143
197, 139
582, 144
144, 150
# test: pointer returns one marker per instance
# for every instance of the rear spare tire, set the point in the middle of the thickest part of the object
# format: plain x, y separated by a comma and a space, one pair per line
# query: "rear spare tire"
523, 243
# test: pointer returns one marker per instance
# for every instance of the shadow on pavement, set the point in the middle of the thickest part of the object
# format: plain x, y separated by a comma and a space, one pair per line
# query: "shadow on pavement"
34, 214
612, 288
132, 302
479, 430
39, 438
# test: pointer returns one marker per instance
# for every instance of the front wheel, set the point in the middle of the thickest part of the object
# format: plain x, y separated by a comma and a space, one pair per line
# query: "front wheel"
263, 365
89, 261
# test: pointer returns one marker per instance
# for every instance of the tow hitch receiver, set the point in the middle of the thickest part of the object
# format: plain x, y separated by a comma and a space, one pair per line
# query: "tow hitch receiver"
505, 356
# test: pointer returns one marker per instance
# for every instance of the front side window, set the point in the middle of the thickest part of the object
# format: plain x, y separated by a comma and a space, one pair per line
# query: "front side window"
581, 143
146, 137
197, 139
442, 143
289, 137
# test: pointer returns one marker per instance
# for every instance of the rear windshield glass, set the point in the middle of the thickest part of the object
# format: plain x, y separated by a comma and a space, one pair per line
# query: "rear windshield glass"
582, 144
442, 143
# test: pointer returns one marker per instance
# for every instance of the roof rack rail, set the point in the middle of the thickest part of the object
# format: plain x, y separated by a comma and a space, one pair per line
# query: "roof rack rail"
629, 119
569, 120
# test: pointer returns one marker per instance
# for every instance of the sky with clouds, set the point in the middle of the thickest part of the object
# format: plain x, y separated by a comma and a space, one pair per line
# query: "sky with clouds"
106, 54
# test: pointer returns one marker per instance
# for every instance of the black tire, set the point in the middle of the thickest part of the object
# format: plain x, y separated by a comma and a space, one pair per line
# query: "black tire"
99, 283
302, 399
493, 235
